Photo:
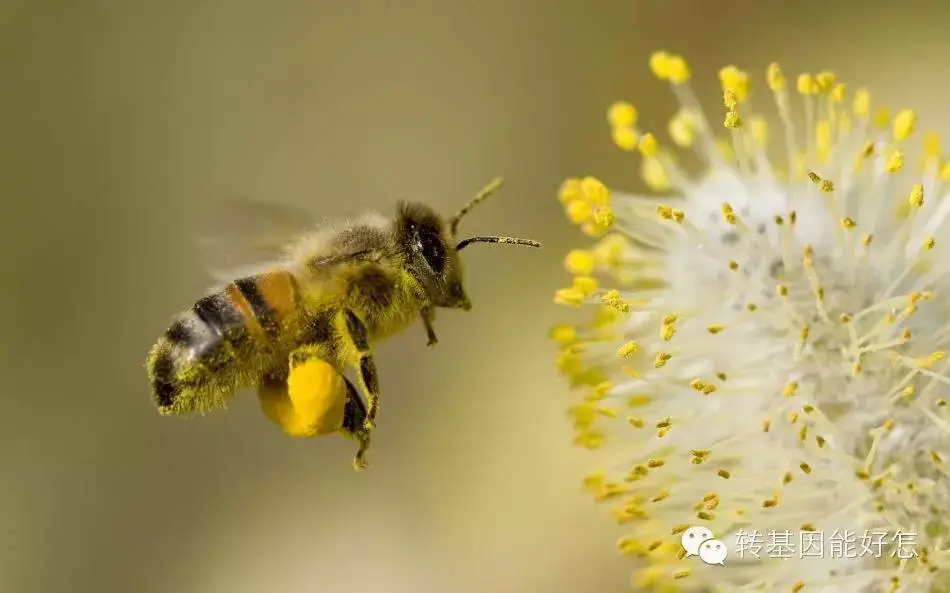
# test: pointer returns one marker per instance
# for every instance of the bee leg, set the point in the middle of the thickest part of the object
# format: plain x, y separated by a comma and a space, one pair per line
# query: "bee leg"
354, 416
428, 316
367, 368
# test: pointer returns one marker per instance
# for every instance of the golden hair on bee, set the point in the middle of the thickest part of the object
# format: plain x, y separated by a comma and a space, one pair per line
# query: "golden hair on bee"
292, 328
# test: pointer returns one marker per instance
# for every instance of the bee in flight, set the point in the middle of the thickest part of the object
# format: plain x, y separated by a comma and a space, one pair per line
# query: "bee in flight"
292, 328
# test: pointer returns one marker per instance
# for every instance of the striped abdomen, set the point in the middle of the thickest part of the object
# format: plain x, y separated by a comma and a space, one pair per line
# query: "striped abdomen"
205, 354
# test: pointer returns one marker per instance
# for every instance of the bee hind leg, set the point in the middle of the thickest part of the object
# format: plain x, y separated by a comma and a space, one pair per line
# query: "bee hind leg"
367, 367
354, 417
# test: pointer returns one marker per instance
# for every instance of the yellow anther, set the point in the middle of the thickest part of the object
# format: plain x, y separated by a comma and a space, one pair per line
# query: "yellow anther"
590, 439
867, 149
579, 211
592, 228
667, 332
895, 162
638, 400
904, 123
862, 103
838, 93
759, 129
945, 172
825, 81
569, 297
615, 301
682, 128
790, 389
659, 65
661, 359
733, 265
585, 284
730, 100
563, 334
848, 223
882, 118
824, 185
929, 243
775, 77
602, 389
928, 362
604, 217
667, 213
766, 425
624, 138
628, 349
622, 114
781, 290
736, 82
798, 586
733, 120
629, 545
916, 198
569, 191
594, 481
648, 145
594, 191
806, 84
804, 332
866, 240
654, 175
715, 329
678, 69
663, 495
728, 214
580, 262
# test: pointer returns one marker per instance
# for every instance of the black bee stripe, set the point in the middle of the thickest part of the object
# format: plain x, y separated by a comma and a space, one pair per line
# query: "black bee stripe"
163, 380
179, 333
218, 314
262, 311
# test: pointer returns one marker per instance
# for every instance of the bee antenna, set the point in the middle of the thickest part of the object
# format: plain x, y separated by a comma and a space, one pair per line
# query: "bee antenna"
494, 239
480, 197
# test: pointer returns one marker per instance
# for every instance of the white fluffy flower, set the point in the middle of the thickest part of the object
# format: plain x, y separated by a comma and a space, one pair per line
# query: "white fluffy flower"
768, 358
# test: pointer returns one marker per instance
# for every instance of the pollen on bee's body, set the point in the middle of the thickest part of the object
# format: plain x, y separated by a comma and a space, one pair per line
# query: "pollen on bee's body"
806, 359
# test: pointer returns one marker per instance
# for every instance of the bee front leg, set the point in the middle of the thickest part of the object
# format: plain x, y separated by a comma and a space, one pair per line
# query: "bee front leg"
428, 316
367, 367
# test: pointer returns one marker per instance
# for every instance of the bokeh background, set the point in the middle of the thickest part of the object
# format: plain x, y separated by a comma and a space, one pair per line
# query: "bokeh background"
123, 121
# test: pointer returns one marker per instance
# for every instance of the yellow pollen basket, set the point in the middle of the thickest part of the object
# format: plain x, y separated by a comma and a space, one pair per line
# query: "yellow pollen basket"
313, 403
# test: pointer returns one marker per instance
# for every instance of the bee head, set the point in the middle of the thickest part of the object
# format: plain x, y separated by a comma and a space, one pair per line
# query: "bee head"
431, 246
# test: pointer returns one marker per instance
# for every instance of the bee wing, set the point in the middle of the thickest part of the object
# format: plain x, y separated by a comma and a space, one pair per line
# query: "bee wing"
244, 234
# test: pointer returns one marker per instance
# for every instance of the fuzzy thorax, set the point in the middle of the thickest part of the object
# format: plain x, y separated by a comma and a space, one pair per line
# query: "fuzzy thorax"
766, 345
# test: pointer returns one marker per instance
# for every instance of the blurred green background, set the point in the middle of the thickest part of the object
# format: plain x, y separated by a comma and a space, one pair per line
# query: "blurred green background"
123, 121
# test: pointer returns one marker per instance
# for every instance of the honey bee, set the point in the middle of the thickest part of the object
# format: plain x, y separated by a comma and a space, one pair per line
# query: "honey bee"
291, 328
